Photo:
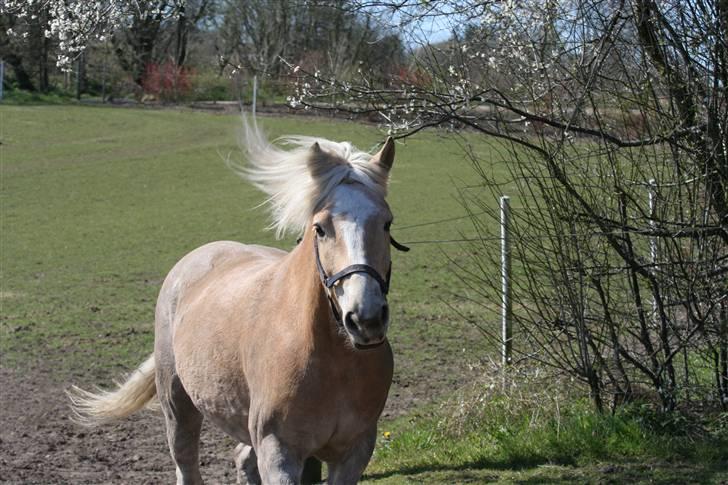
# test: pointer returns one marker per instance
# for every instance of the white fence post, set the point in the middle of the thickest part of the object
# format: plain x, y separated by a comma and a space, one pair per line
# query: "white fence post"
653, 239
653, 214
255, 93
2, 78
506, 304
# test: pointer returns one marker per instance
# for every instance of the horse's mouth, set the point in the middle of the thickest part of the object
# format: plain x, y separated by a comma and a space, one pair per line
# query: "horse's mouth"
369, 346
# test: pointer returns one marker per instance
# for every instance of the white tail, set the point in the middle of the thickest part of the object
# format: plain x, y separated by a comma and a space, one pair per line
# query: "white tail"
92, 409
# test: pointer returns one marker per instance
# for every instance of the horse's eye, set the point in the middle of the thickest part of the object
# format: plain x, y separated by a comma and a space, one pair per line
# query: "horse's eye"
387, 226
319, 231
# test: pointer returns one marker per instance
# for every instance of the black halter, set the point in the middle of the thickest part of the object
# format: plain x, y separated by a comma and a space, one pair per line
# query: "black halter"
329, 281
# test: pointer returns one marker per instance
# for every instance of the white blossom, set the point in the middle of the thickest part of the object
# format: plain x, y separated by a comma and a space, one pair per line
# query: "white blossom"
75, 22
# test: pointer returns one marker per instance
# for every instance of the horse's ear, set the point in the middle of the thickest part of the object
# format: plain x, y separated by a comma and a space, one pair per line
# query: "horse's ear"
315, 152
385, 156
319, 162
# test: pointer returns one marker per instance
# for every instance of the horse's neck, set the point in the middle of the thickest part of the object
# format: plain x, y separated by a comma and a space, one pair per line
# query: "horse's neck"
304, 281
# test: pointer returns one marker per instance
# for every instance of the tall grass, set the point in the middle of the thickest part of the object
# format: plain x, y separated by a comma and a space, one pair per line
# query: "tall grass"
526, 421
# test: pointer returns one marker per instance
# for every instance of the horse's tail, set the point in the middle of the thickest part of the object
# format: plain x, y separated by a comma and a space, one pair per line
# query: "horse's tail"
94, 408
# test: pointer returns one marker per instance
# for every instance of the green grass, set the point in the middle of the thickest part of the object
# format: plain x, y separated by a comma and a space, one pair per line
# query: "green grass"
97, 204
535, 435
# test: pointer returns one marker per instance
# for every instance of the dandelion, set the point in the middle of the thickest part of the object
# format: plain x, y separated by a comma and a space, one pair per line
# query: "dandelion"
387, 435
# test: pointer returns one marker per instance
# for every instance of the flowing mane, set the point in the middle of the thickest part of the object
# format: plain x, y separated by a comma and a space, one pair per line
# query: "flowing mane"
284, 171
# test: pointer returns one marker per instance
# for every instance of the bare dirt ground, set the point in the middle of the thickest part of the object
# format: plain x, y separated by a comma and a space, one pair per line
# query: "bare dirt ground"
39, 444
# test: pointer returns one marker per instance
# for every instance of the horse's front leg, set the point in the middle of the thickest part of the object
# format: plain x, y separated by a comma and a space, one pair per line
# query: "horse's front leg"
246, 462
350, 469
278, 463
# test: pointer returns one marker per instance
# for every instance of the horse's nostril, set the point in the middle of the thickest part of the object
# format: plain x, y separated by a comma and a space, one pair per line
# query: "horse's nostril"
385, 313
349, 322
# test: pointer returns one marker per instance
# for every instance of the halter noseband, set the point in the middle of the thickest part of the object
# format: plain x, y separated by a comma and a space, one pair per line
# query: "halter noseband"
329, 281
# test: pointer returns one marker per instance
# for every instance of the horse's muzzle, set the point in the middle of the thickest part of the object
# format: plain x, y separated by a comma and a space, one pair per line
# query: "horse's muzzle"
367, 333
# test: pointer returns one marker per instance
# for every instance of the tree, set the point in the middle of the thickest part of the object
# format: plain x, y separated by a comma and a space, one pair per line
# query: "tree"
328, 37
25, 47
593, 100
142, 32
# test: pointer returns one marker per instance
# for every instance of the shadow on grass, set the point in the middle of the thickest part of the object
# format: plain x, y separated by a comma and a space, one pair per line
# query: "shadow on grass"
538, 471
483, 464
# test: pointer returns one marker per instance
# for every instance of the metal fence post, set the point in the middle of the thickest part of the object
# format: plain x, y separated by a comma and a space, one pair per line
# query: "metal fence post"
652, 201
255, 93
653, 214
506, 304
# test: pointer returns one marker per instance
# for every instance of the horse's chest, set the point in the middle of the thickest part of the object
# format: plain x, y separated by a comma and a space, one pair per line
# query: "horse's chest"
339, 421
351, 404
352, 417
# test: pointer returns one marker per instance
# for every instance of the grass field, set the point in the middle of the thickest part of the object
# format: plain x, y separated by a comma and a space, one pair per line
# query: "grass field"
97, 204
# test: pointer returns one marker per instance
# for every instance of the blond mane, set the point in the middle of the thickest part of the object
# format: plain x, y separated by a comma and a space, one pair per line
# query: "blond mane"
284, 172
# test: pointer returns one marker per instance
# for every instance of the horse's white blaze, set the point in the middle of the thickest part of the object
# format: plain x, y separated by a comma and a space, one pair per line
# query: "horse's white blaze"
359, 293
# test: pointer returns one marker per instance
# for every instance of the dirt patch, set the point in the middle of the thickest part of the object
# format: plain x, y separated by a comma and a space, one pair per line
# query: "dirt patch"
39, 444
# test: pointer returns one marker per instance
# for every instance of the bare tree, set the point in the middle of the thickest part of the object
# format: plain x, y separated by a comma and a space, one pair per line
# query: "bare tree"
599, 103
324, 37
157, 33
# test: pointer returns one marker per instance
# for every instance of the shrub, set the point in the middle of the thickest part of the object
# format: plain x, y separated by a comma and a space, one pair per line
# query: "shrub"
167, 81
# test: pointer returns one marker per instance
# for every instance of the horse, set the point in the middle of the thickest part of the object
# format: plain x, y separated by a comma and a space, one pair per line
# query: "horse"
286, 352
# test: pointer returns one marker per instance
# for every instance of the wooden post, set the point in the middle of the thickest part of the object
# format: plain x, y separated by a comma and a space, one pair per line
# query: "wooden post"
506, 304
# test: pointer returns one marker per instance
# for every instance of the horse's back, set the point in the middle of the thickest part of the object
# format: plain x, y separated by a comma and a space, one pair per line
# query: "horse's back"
199, 263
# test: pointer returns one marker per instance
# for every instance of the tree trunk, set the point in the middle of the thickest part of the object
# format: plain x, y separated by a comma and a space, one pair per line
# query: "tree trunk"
43, 48
181, 37
21, 75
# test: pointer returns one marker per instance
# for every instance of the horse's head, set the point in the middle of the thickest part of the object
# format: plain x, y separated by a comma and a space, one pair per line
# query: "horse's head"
336, 193
352, 240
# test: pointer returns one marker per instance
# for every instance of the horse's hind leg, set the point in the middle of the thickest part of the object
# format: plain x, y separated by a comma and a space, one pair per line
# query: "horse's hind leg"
184, 422
247, 465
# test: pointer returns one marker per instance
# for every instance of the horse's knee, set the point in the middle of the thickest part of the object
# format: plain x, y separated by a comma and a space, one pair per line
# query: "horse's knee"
246, 462
350, 469
278, 463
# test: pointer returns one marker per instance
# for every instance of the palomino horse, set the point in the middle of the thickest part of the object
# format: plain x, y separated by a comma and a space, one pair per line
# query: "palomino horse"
285, 352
